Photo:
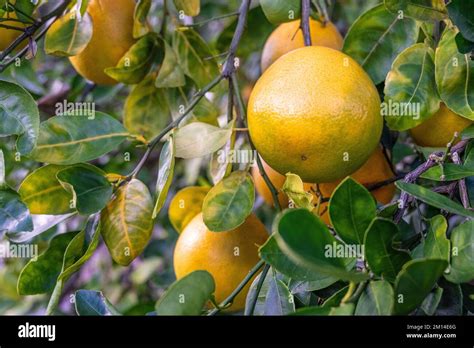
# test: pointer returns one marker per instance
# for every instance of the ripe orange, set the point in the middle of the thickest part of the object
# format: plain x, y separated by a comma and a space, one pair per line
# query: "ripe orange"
288, 37
111, 39
228, 256
439, 129
315, 113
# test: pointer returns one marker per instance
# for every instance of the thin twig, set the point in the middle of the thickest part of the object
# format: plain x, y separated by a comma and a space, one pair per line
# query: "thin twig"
305, 11
199, 24
263, 275
462, 184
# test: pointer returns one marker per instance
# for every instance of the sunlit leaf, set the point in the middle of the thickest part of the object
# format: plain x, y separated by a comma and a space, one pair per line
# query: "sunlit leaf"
140, 24
165, 175
436, 245
189, 7
280, 11
293, 187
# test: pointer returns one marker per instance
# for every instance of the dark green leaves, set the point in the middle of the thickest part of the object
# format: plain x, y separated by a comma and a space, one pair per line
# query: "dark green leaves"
382, 258
436, 244
418, 9
462, 253
77, 138
69, 35
307, 241
351, 210
165, 174
126, 222
187, 296
449, 172
415, 281
460, 12
411, 82
454, 76
228, 204
435, 199
18, 116
93, 303
377, 299
376, 38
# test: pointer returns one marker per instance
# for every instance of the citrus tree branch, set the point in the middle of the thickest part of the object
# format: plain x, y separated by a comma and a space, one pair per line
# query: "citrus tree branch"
263, 275
305, 11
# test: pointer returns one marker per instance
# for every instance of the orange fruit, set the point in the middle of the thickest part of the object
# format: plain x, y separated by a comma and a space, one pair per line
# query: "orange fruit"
228, 256
321, 122
111, 39
288, 37
7, 36
439, 129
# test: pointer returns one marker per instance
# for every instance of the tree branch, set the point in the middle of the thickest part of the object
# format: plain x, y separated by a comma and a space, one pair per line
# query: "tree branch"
305, 11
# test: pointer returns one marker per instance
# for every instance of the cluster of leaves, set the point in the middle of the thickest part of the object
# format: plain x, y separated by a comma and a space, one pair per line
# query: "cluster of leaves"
400, 268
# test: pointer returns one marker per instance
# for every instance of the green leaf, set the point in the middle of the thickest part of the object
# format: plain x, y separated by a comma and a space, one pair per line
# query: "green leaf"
228, 204
464, 46
351, 209
280, 11
381, 257
146, 110
279, 300
308, 242
468, 133
88, 186
73, 139
93, 303
462, 253
345, 309
194, 56
431, 302
14, 214
69, 35
189, 7
450, 172
198, 139
136, 63
262, 295
376, 38
165, 175
414, 283
424, 10
19, 116
188, 295
293, 187
43, 193
377, 299
170, 74
409, 84
460, 12
454, 76
39, 275
127, 223
434, 199
436, 245
140, 24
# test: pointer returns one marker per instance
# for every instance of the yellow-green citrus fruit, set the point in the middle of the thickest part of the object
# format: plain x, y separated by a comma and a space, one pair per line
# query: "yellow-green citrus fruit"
7, 36
111, 39
228, 256
315, 113
185, 205
288, 37
439, 129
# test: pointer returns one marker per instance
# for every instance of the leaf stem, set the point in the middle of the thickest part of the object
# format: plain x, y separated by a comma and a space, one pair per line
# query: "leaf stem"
350, 291
305, 11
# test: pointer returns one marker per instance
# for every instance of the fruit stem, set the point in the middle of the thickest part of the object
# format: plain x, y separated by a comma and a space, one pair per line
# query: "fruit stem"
305, 11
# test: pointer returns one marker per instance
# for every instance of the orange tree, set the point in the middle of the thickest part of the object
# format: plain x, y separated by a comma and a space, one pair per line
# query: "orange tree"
355, 116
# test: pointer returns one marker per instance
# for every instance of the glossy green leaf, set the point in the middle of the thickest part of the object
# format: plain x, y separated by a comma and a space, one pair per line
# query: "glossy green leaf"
228, 203
381, 257
279, 300
39, 275
293, 187
377, 299
165, 175
462, 253
454, 76
460, 12
14, 214
137, 62
436, 245
336, 298
351, 209
424, 10
43, 193
198, 139
88, 186
468, 133
308, 242
93, 303
450, 172
431, 302
69, 35
414, 283
377, 37
147, 110
434, 199
410, 86
73, 139
140, 24
189, 7
280, 11
464, 46
127, 223
195, 56
19, 116
188, 295
170, 74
